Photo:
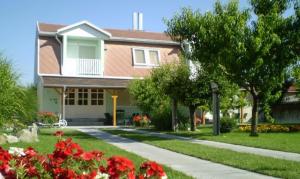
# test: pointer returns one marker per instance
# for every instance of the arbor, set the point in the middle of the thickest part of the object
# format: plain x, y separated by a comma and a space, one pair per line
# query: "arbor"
253, 55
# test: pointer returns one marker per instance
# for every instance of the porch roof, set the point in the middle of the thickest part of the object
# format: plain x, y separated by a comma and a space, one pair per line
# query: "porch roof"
54, 81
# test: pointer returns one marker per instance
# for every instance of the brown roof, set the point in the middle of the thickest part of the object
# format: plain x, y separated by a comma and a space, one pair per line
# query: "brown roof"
114, 32
53, 81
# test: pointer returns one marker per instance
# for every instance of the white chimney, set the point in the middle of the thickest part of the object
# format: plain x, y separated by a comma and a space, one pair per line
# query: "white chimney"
135, 21
140, 21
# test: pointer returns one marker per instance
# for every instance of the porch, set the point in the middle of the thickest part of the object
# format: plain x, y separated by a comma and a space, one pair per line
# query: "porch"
86, 101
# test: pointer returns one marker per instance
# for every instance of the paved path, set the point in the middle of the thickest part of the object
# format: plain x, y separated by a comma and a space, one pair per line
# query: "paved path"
190, 165
237, 148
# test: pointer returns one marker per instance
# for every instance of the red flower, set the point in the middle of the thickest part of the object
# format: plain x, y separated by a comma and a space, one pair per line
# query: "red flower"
5, 157
58, 133
151, 169
120, 166
87, 156
137, 118
30, 152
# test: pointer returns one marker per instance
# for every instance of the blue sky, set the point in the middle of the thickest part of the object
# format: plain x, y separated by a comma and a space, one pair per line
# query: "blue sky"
18, 21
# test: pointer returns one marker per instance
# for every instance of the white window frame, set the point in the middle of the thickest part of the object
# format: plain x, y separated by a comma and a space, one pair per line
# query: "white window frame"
77, 44
146, 56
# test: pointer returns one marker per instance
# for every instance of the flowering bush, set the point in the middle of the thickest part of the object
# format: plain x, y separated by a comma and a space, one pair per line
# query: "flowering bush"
69, 160
141, 120
271, 128
47, 117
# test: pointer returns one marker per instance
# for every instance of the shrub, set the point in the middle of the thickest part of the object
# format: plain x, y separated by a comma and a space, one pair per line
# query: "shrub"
271, 128
47, 117
141, 120
162, 118
69, 160
227, 124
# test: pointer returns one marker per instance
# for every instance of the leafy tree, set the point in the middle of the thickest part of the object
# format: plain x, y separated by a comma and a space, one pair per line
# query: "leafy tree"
16, 102
146, 95
10, 93
253, 55
174, 80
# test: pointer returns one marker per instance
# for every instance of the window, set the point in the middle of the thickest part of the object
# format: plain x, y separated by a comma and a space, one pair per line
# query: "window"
140, 56
70, 96
153, 56
82, 49
82, 96
87, 52
145, 57
97, 96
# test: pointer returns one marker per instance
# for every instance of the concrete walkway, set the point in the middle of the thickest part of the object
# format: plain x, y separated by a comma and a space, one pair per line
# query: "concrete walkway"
233, 147
190, 165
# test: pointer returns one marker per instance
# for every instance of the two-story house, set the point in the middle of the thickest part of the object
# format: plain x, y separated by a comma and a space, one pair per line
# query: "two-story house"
79, 67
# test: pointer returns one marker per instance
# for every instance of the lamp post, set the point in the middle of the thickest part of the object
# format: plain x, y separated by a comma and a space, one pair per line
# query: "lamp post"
216, 108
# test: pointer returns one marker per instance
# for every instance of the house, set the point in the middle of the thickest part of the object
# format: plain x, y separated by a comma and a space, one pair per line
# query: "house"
287, 110
79, 67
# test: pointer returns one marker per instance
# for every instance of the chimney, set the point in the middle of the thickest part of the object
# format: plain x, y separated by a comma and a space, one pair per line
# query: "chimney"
140, 21
135, 21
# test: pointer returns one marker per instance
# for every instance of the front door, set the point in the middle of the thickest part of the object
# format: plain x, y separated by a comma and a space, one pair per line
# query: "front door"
84, 103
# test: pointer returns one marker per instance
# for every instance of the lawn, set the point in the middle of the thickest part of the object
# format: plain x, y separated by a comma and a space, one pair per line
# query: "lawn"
289, 142
47, 141
264, 165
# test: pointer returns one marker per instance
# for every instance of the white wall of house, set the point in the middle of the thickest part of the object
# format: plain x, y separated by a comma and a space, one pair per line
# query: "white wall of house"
49, 100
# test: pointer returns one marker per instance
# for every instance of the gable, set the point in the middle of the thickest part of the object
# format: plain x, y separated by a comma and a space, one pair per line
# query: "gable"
84, 29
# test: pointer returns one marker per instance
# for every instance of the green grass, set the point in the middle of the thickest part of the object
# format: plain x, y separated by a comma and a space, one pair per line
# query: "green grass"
289, 142
47, 141
264, 165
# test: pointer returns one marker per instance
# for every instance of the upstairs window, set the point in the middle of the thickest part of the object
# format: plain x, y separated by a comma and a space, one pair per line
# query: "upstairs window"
145, 57
82, 49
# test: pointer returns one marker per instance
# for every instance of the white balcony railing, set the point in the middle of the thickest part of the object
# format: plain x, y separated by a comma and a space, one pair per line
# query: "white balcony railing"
85, 67
88, 67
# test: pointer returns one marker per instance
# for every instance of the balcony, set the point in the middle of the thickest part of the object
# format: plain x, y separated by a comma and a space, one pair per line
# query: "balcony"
82, 67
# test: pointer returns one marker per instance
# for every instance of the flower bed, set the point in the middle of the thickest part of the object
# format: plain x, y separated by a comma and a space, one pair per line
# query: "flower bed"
47, 117
69, 160
141, 120
271, 128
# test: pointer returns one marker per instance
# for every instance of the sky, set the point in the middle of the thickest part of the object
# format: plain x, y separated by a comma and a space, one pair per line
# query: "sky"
18, 20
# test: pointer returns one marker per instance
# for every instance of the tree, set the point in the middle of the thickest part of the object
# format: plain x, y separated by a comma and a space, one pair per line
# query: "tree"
10, 93
146, 95
174, 80
253, 55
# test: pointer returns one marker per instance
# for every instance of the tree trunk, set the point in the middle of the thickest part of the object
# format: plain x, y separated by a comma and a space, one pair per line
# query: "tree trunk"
242, 114
174, 114
192, 117
203, 117
254, 116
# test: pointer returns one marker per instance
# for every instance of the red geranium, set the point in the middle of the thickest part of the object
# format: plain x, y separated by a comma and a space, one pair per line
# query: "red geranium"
151, 170
137, 118
59, 133
69, 160
120, 166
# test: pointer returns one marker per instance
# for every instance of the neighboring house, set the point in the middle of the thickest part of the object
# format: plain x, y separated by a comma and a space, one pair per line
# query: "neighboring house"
79, 67
288, 110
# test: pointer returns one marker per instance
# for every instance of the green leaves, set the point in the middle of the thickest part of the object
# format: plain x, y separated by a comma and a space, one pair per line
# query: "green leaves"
253, 54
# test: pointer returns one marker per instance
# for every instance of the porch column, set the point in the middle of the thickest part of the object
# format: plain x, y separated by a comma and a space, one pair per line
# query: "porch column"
63, 102
114, 109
